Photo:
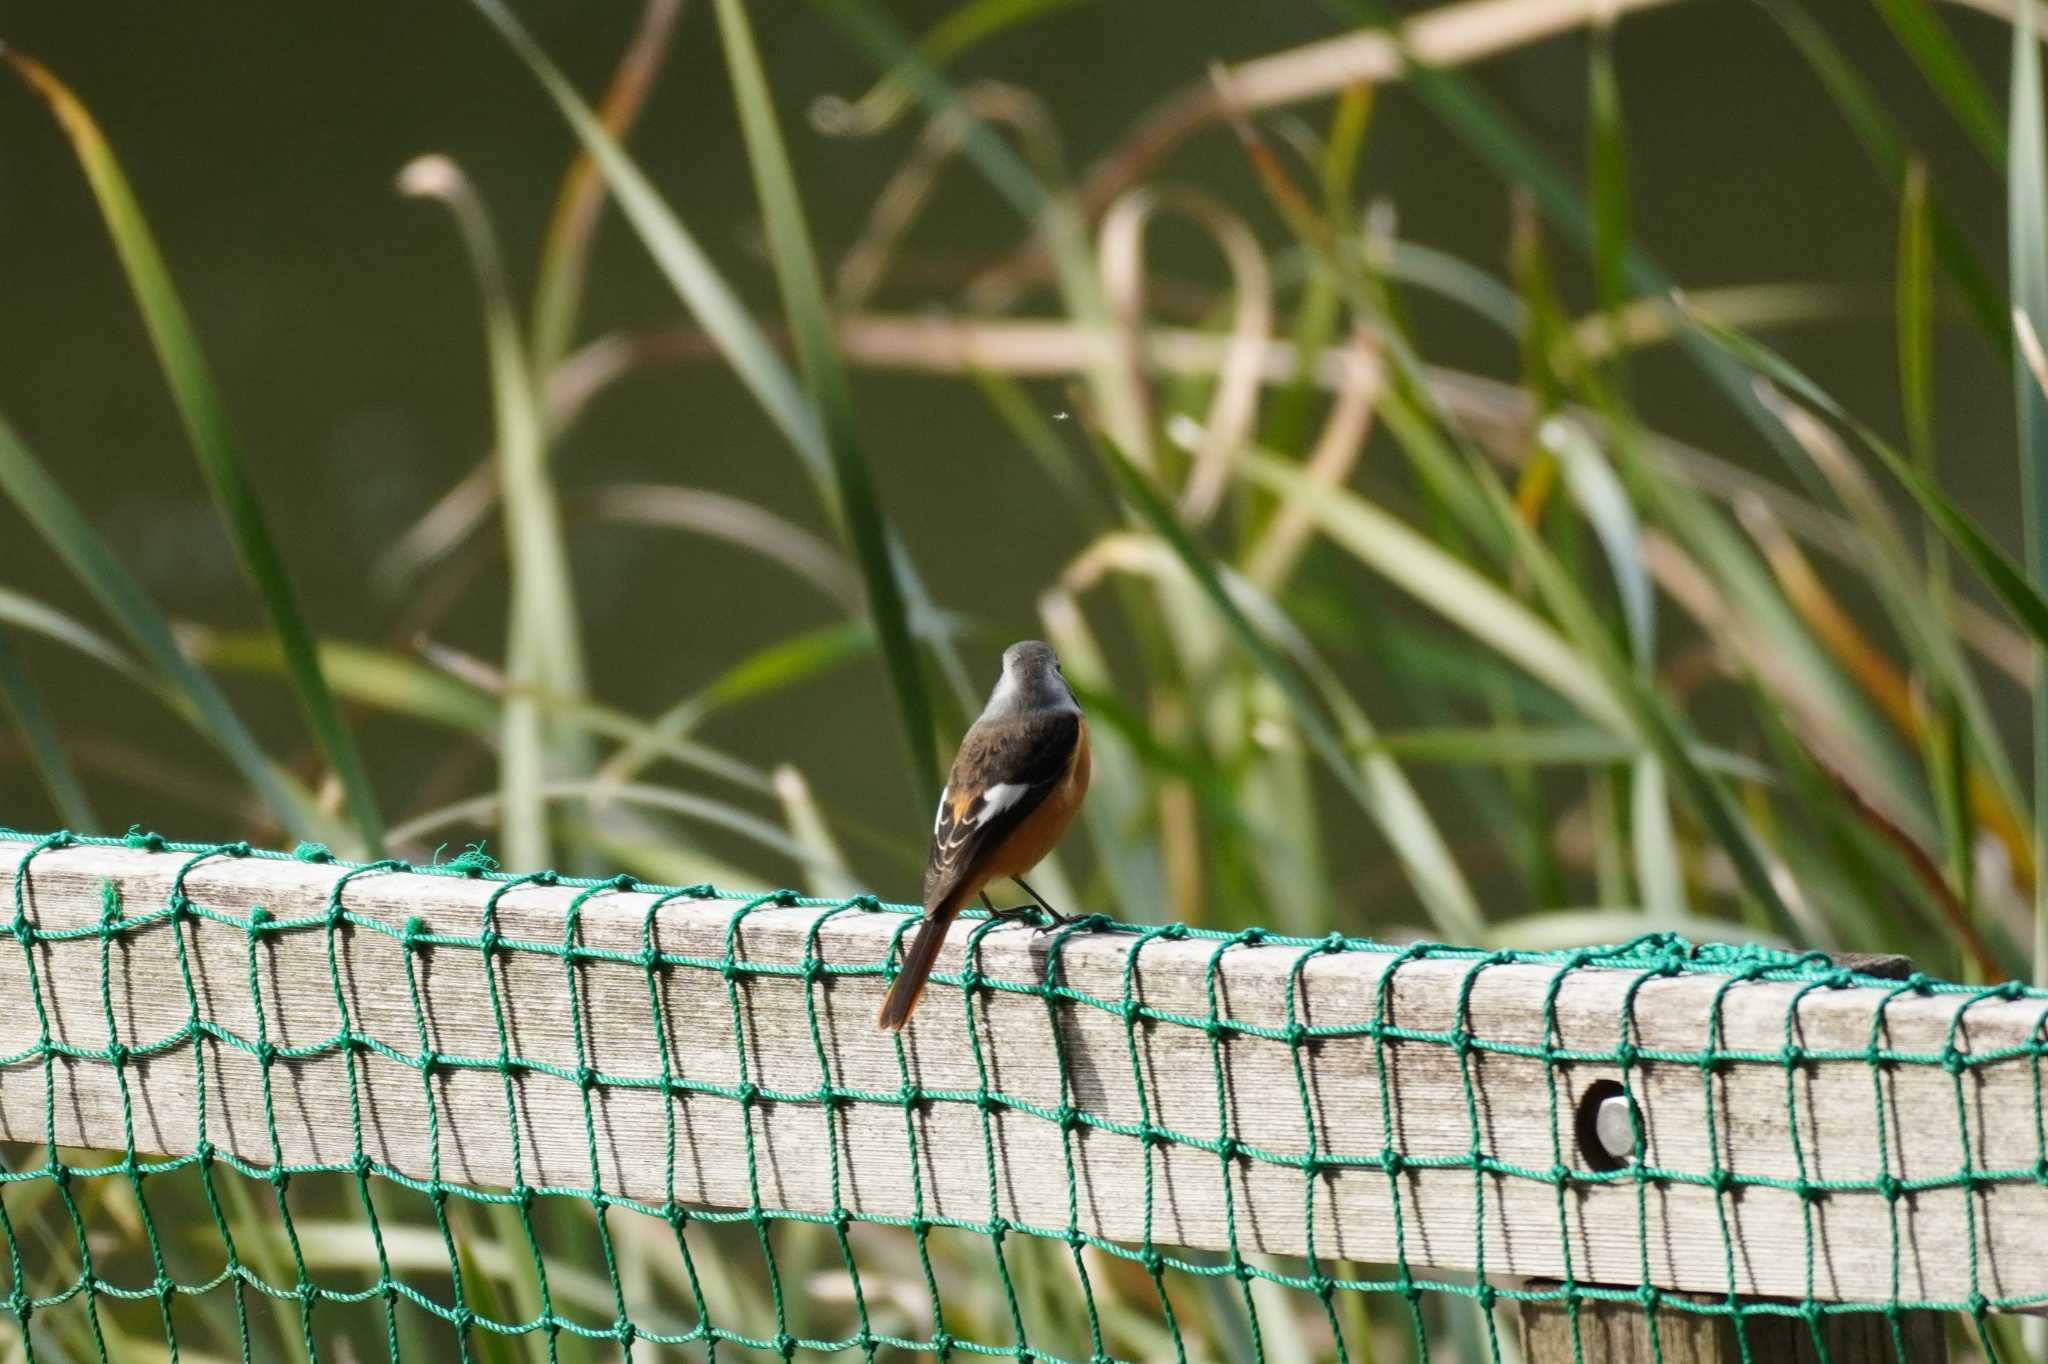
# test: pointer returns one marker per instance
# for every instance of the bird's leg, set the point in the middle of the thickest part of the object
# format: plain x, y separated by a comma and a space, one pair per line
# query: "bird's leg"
1051, 913
1006, 915
1030, 912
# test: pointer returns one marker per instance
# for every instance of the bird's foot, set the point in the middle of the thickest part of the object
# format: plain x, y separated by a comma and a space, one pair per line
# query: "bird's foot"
1041, 917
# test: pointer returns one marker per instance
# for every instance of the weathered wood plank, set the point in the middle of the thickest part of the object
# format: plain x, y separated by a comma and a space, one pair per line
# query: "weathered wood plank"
1619, 1333
1614, 1332
1765, 1120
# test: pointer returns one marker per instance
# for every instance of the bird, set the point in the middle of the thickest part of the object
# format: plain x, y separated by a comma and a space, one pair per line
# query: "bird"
1013, 789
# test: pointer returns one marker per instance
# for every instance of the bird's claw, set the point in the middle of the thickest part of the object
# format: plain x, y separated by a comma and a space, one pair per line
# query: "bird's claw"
1041, 917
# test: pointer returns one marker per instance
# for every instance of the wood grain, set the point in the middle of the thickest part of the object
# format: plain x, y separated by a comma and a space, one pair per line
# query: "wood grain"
932, 1158
1619, 1333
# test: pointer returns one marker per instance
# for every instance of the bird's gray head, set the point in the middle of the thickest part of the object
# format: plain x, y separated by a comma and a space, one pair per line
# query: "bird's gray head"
1031, 680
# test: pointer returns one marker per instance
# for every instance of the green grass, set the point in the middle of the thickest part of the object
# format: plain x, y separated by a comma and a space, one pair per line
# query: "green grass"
1480, 657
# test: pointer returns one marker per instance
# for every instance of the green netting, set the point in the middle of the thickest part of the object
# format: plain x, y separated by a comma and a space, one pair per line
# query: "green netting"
198, 1253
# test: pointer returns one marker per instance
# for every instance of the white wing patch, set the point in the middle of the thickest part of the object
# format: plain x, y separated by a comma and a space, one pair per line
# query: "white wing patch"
999, 798
939, 819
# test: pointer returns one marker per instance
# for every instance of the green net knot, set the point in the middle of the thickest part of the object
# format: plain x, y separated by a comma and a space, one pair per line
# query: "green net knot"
785, 1344
1889, 1187
1721, 1180
313, 852
1626, 1054
472, 861
1953, 1061
21, 1305
625, 1332
258, 918
1390, 1160
1154, 1263
1979, 1305
135, 838
586, 1078
117, 1053
361, 1165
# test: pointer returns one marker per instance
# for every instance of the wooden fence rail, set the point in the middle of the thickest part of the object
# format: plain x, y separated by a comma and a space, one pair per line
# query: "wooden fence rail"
1962, 1140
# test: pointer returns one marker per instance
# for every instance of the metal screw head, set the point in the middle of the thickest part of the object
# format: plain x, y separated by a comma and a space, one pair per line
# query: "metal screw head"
1614, 1123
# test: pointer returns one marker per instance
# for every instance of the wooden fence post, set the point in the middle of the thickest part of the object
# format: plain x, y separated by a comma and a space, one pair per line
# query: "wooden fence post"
1612, 1332
1619, 1333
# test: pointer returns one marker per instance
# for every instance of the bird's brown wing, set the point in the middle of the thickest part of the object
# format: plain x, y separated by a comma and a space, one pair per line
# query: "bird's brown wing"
1005, 770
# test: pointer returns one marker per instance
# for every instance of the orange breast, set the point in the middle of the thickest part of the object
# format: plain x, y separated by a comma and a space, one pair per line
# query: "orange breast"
1042, 828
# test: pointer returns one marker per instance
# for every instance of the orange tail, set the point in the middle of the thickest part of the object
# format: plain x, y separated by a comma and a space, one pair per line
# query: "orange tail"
917, 968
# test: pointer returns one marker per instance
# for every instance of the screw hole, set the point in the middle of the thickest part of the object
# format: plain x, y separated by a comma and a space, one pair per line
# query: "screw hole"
1605, 1127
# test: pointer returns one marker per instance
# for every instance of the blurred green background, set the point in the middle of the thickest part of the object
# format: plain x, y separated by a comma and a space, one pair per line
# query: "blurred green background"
1621, 616
342, 323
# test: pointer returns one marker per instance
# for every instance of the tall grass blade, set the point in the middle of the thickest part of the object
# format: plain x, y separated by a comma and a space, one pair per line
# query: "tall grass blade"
579, 203
1447, 586
2012, 586
1607, 183
717, 308
972, 24
827, 875
364, 674
676, 252
26, 613
1927, 41
1116, 807
544, 640
803, 296
1661, 724
58, 520
1380, 788
205, 418
1604, 502
2027, 245
1056, 215
19, 697
1868, 117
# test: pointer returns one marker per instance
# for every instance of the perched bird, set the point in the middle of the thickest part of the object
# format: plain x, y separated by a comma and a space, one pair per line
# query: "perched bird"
1014, 788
